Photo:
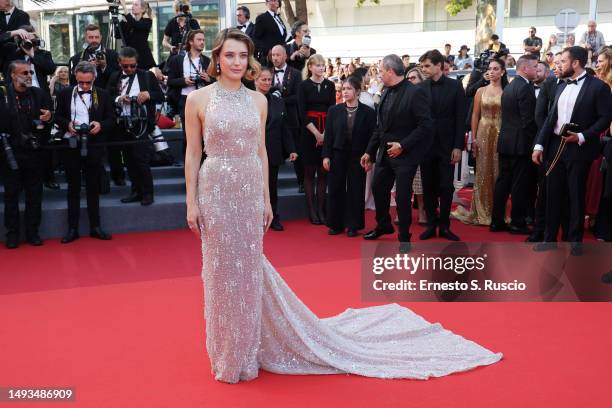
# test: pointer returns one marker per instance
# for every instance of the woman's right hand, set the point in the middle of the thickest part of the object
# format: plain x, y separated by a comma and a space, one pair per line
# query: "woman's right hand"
475, 148
326, 163
193, 219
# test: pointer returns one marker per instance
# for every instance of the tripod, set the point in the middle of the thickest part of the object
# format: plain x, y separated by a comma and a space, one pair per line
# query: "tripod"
114, 26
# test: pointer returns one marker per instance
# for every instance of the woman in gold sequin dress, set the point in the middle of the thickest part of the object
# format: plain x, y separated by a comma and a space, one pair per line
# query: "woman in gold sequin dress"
253, 319
486, 120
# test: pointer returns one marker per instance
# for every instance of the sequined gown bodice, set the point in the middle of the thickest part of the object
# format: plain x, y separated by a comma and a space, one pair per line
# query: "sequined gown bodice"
253, 319
487, 167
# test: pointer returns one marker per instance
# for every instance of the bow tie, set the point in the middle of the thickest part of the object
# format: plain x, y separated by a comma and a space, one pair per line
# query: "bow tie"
124, 76
574, 81
240, 27
7, 14
84, 92
536, 86
276, 71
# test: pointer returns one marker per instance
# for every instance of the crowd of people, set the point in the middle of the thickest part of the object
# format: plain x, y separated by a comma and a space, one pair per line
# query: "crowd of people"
358, 135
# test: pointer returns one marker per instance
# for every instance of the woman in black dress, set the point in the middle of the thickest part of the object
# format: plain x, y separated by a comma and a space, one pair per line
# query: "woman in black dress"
349, 128
136, 29
315, 96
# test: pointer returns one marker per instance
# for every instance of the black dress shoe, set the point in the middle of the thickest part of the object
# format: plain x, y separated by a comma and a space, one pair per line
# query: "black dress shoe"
544, 246
516, 230
351, 232
132, 198
448, 234
52, 185
119, 182
535, 237
72, 235
378, 232
576, 249
498, 227
277, 226
404, 247
332, 231
147, 200
430, 232
34, 240
607, 277
100, 234
12, 241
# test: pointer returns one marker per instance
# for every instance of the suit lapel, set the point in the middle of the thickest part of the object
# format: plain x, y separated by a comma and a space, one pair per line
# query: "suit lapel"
396, 104
580, 97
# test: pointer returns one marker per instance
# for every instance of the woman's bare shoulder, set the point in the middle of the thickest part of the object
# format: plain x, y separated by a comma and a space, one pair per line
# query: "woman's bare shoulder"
259, 98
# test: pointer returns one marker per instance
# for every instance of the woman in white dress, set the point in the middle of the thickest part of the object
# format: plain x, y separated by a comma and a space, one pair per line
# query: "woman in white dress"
253, 319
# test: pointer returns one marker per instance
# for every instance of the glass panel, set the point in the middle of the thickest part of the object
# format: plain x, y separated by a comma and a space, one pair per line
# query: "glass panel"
207, 14
59, 42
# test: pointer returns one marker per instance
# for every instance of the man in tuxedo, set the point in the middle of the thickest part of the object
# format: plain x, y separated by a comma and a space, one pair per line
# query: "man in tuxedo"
186, 73
287, 81
104, 59
518, 130
21, 106
448, 109
269, 31
585, 101
13, 17
123, 85
402, 138
86, 107
243, 16
544, 103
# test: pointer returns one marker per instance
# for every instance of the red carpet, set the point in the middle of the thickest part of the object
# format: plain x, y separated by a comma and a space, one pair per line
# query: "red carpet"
122, 323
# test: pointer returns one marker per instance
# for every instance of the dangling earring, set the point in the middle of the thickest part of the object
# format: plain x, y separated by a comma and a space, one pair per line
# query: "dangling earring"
218, 68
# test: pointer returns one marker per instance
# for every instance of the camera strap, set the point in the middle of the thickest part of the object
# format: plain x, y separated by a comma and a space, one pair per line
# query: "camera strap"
92, 105
196, 69
129, 85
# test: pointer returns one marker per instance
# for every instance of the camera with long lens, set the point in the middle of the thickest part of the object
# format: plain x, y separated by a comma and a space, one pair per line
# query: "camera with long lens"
482, 62
159, 142
29, 44
113, 8
198, 81
8, 151
136, 122
83, 137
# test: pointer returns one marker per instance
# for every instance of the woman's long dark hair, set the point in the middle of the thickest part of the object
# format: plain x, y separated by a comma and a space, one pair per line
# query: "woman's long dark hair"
504, 78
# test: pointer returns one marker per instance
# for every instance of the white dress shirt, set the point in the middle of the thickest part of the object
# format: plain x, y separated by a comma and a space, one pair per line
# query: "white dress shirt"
79, 112
189, 71
134, 91
276, 18
246, 26
565, 108
279, 76
8, 14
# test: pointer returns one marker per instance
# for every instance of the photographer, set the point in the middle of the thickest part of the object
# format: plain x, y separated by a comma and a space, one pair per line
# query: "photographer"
178, 27
187, 72
299, 49
136, 29
30, 109
85, 115
105, 60
136, 88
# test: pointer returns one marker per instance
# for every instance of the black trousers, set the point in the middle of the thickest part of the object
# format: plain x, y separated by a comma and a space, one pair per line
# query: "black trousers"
539, 225
116, 160
385, 174
437, 175
298, 166
513, 179
90, 165
568, 178
29, 178
138, 160
273, 187
346, 191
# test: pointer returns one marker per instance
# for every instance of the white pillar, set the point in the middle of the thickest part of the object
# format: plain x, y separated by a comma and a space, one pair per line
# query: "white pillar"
499, 18
229, 17
592, 9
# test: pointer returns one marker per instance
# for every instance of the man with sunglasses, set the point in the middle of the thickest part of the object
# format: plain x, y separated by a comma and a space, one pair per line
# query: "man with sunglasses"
88, 107
132, 82
29, 111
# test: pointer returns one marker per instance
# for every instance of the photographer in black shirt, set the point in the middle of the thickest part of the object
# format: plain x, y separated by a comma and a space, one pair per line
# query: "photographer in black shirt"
178, 27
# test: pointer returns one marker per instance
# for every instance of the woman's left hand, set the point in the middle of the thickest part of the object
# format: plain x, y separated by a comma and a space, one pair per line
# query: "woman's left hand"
268, 216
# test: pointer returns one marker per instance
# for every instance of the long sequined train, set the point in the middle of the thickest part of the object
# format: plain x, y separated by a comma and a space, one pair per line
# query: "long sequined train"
254, 320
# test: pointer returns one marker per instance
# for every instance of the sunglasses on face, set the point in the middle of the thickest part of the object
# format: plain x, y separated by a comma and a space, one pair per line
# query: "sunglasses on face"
124, 66
27, 73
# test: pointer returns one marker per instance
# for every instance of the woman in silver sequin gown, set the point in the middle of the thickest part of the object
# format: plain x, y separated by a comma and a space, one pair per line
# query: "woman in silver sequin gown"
253, 319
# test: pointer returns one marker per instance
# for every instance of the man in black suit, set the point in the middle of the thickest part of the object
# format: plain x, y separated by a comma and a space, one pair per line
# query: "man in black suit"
287, 81
448, 110
402, 139
243, 16
104, 59
544, 103
516, 136
186, 73
89, 107
270, 30
123, 85
13, 17
585, 101
279, 142
22, 105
